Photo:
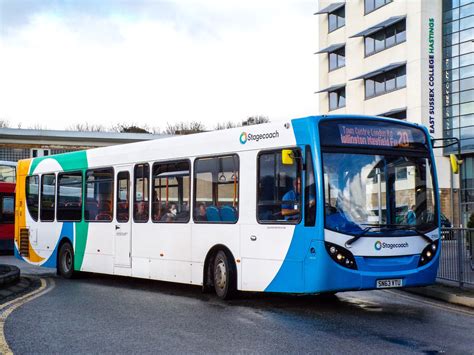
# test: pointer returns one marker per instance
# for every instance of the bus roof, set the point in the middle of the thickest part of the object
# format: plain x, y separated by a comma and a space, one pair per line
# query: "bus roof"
228, 141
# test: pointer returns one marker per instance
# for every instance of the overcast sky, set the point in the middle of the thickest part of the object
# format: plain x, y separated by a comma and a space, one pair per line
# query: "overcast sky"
156, 61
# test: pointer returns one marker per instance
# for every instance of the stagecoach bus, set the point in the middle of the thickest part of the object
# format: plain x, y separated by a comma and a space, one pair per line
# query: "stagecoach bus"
312, 205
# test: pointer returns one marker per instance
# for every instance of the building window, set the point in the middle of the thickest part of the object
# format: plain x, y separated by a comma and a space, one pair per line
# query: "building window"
216, 184
99, 195
37, 152
383, 83
171, 192
14, 154
279, 188
401, 173
123, 196
372, 5
48, 187
141, 199
69, 197
337, 59
385, 38
336, 19
32, 195
399, 115
337, 99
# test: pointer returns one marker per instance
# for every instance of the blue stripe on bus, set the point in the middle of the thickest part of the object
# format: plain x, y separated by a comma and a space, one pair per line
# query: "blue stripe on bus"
301, 272
292, 273
67, 231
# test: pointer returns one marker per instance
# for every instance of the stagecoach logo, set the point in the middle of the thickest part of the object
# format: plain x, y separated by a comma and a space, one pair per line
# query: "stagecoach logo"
382, 245
245, 137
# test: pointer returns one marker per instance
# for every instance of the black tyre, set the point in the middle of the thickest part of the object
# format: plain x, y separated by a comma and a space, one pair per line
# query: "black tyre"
66, 261
225, 276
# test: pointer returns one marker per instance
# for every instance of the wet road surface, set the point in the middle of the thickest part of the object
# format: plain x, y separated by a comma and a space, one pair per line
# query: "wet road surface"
106, 314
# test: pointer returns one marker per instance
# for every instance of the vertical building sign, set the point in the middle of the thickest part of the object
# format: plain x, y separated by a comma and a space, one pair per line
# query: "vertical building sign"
431, 74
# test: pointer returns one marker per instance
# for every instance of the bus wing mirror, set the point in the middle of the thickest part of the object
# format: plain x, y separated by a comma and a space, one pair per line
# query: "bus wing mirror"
455, 162
287, 157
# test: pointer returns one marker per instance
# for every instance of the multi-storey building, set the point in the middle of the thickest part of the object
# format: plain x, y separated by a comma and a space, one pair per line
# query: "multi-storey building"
410, 60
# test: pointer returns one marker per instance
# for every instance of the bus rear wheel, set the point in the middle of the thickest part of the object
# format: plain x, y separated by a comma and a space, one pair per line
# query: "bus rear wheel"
225, 276
66, 260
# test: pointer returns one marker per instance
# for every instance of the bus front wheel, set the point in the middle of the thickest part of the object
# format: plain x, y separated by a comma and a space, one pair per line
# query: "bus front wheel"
66, 261
225, 282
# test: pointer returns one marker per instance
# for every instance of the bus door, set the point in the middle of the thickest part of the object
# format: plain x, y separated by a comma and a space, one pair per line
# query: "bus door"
123, 224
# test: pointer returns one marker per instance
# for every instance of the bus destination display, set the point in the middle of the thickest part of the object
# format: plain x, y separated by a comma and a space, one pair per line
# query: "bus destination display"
376, 136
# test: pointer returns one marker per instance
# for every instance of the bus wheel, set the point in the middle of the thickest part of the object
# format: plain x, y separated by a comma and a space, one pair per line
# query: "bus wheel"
66, 261
224, 276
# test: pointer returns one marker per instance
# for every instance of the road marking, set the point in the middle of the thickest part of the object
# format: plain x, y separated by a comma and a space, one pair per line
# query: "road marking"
434, 304
7, 308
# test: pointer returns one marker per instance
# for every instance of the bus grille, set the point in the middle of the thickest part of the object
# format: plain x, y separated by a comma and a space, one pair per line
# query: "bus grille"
24, 242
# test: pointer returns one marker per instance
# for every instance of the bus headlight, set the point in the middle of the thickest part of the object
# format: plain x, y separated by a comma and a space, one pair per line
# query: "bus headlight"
341, 255
428, 253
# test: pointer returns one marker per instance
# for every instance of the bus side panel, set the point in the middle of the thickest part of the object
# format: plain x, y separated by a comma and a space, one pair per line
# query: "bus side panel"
99, 251
205, 236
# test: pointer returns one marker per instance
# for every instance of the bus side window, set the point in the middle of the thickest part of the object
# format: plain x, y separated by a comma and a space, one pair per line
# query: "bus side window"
99, 195
123, 197
171, 192
48, 187
216, 194
309, 191
278, 189
69, 197
7, 209
141, 204
32, 195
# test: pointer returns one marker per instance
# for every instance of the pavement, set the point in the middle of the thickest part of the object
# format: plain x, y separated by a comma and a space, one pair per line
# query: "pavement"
31, 273
20, 279
447, 293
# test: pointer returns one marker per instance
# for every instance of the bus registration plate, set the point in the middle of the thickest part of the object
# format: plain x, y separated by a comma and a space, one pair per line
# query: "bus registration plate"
389, 283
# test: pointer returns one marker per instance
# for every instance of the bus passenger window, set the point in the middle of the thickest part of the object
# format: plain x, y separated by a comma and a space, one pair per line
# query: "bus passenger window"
171, 185
123, 196
69, 197
279, 189
141, 202
216, 197
7, 209
48, 188
32, 195
99, 195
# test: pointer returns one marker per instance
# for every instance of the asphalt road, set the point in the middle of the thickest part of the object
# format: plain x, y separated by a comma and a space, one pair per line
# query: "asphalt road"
104, 314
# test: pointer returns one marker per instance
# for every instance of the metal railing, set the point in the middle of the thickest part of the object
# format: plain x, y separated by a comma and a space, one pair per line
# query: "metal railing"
457, 256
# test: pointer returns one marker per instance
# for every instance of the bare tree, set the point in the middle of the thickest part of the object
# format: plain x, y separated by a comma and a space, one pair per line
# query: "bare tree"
86, 127
38, 126
4, 123
131, 128
182, 128
252, 120
226, 125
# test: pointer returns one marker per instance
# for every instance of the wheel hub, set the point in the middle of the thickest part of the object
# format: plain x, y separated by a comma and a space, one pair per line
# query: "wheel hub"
221, 275
67, 261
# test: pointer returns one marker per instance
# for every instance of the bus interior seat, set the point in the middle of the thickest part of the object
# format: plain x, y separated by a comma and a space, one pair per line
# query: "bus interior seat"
103, 216
228, 214
212, 214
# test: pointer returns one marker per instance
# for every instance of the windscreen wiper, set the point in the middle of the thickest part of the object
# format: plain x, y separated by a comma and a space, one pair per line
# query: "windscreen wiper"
389, 227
